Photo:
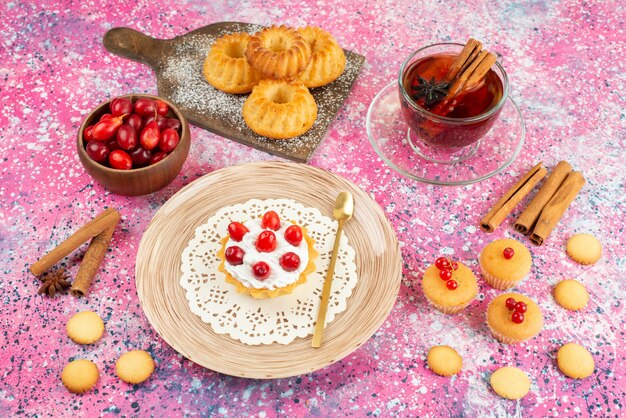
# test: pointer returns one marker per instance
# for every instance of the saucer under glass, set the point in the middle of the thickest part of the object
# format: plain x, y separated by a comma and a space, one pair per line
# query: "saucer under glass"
403, 151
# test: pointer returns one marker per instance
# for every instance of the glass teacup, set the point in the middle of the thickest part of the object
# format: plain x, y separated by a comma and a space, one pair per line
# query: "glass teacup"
447, 132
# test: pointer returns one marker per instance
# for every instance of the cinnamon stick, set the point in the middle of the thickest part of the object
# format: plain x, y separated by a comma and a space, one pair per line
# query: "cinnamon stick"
529, 216
91, 261
481, 70
462, 81
556, 207
468, 54
471, 74
511, 198
104, 220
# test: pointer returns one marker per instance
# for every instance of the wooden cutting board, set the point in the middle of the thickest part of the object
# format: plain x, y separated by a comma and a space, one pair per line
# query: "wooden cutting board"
178, 63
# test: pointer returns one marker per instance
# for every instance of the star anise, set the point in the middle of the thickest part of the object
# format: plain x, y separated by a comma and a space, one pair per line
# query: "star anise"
431, 91
54, 282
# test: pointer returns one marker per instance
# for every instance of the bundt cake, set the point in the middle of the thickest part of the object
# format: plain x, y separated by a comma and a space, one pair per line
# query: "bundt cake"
280, 109
278, 52
327, 57
226, 67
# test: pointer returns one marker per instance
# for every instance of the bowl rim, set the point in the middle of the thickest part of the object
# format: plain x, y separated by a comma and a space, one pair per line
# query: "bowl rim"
447, 119
80, 140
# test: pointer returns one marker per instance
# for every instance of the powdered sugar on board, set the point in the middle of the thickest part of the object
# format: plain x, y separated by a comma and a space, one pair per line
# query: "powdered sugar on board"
189, 86
181, 79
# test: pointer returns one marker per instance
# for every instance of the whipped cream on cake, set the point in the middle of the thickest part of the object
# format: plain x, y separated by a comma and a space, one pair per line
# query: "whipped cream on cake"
278, 277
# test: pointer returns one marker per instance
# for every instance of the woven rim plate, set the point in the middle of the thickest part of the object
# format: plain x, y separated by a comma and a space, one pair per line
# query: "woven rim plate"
378, 259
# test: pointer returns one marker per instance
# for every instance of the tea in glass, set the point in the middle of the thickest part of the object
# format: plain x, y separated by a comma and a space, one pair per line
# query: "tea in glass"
440, 121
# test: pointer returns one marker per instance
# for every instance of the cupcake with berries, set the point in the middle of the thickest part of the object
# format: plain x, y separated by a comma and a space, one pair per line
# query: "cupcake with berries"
449, 285
505, 263
513, 318
266, 257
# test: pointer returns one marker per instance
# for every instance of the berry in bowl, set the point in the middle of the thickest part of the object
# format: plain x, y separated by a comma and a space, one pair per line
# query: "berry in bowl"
134, 144
451, 95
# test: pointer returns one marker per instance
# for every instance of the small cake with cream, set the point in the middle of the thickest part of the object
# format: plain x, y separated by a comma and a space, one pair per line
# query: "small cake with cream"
266, 257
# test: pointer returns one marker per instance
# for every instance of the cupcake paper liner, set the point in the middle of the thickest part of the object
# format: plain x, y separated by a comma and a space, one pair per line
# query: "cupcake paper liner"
504, 338
496, 282
449, 309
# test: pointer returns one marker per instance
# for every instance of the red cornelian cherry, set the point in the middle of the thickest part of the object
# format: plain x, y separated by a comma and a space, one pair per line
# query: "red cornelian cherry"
88, 133
112, 144
135, 121
140, 156
290, 261
452, 284
510, 304
161, 107
442, 263
270, 220
107, 128
171, 123
150, 135
121, 106
237, 230
169, 140
508, 253
445, 274
126, 137
97, 151
293, 235
453, 266
234, 255
144, 106
266, 242
120, 160
261, 270
157, 156
517, 317
160, 120
521, 307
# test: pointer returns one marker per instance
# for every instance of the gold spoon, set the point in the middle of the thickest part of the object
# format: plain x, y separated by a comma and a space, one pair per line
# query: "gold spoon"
344, 208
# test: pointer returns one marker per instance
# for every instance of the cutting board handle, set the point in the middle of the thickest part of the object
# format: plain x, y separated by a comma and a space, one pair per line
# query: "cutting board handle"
134, 45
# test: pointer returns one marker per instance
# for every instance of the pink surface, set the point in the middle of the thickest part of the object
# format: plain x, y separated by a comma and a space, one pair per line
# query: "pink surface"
565, 63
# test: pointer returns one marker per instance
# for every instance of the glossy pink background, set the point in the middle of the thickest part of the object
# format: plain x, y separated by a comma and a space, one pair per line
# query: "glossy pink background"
565, 64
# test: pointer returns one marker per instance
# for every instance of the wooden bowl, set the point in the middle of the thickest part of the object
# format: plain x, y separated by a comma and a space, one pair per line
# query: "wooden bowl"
137, 181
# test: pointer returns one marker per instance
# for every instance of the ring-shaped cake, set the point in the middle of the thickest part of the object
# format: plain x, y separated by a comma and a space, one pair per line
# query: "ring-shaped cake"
278, 52
226, 67
280, 109
327, 58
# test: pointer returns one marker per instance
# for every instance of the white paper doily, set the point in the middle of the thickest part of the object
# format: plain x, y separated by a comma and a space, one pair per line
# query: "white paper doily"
265, 321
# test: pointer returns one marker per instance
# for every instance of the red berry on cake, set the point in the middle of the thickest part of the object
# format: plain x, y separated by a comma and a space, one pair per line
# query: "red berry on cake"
520, 307
508, 253
237, 230
445, 274
453, 266
442, 263
234, 255
267, 255
510, 304
270, 220
266, 242
517, 317
452, 284
293, 235
290, 261
261, 270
